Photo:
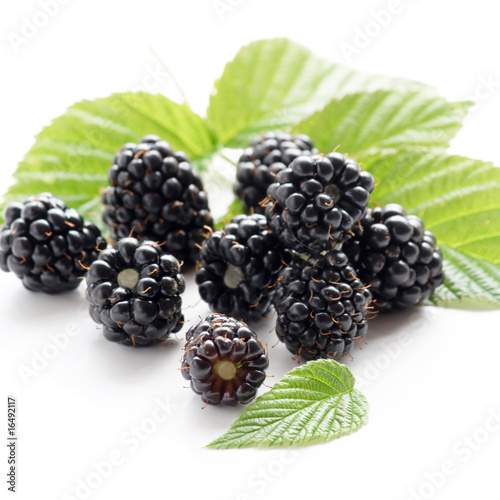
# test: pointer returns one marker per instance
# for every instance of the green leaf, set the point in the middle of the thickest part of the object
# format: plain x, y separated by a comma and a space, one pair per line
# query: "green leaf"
457, 198
235, 208
313, 403
470, 282
71, 156
275, 83
385, 119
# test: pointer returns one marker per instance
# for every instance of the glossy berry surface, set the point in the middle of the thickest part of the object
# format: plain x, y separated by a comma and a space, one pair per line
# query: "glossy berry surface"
47, 245
238, 266
134, 291
259, 164
322, 307
316, 201
155, 194
394, 254
224, 361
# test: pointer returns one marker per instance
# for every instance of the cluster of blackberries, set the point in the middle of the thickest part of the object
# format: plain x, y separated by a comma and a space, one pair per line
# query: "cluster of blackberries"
311, 248
133, 289
157, 213
325, 261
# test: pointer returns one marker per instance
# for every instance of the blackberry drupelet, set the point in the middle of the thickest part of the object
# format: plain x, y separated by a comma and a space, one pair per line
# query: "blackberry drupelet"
47, 245
394, 254
259, 164
238, 266
322, 306
135, 292
316, 201
224, 361
155, 194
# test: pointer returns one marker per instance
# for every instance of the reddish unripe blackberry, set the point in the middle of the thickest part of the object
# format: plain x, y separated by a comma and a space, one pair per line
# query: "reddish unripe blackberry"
155, 194
394, 254
316, 201
322, 306
224, 361
47, 245
259, 164
135, 292
238, 267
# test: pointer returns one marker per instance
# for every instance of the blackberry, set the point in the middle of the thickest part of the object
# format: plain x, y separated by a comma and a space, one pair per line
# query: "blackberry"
322, 306
46, 244
155, 194
316, 201
224, 361
238, 266
394, 254
259, 164
135, 292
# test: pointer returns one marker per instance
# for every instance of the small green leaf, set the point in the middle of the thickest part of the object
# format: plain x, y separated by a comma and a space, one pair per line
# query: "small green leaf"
237, 207
275, 83
313, 403
457, 198
385, 119
71, 156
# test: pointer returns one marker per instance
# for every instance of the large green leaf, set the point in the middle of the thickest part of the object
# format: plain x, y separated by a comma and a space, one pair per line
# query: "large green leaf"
470, 282
385, 119
71, 156
313, 403
458, 200
275, 83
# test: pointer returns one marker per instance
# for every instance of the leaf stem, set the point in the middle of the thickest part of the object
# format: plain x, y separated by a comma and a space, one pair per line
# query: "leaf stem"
224, 157
170, 74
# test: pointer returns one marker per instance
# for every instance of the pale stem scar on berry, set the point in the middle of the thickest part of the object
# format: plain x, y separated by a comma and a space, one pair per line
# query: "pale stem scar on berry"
226, 370
233, 276
128, 278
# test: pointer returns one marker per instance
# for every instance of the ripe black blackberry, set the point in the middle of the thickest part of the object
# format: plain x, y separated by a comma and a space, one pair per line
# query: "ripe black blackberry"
316, 201
224, 361
322, 306
259, 164
238, 266
135, 292
48, 245
155, 194
394, 254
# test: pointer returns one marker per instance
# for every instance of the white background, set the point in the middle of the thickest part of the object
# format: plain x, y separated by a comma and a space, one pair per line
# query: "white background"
431, 375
